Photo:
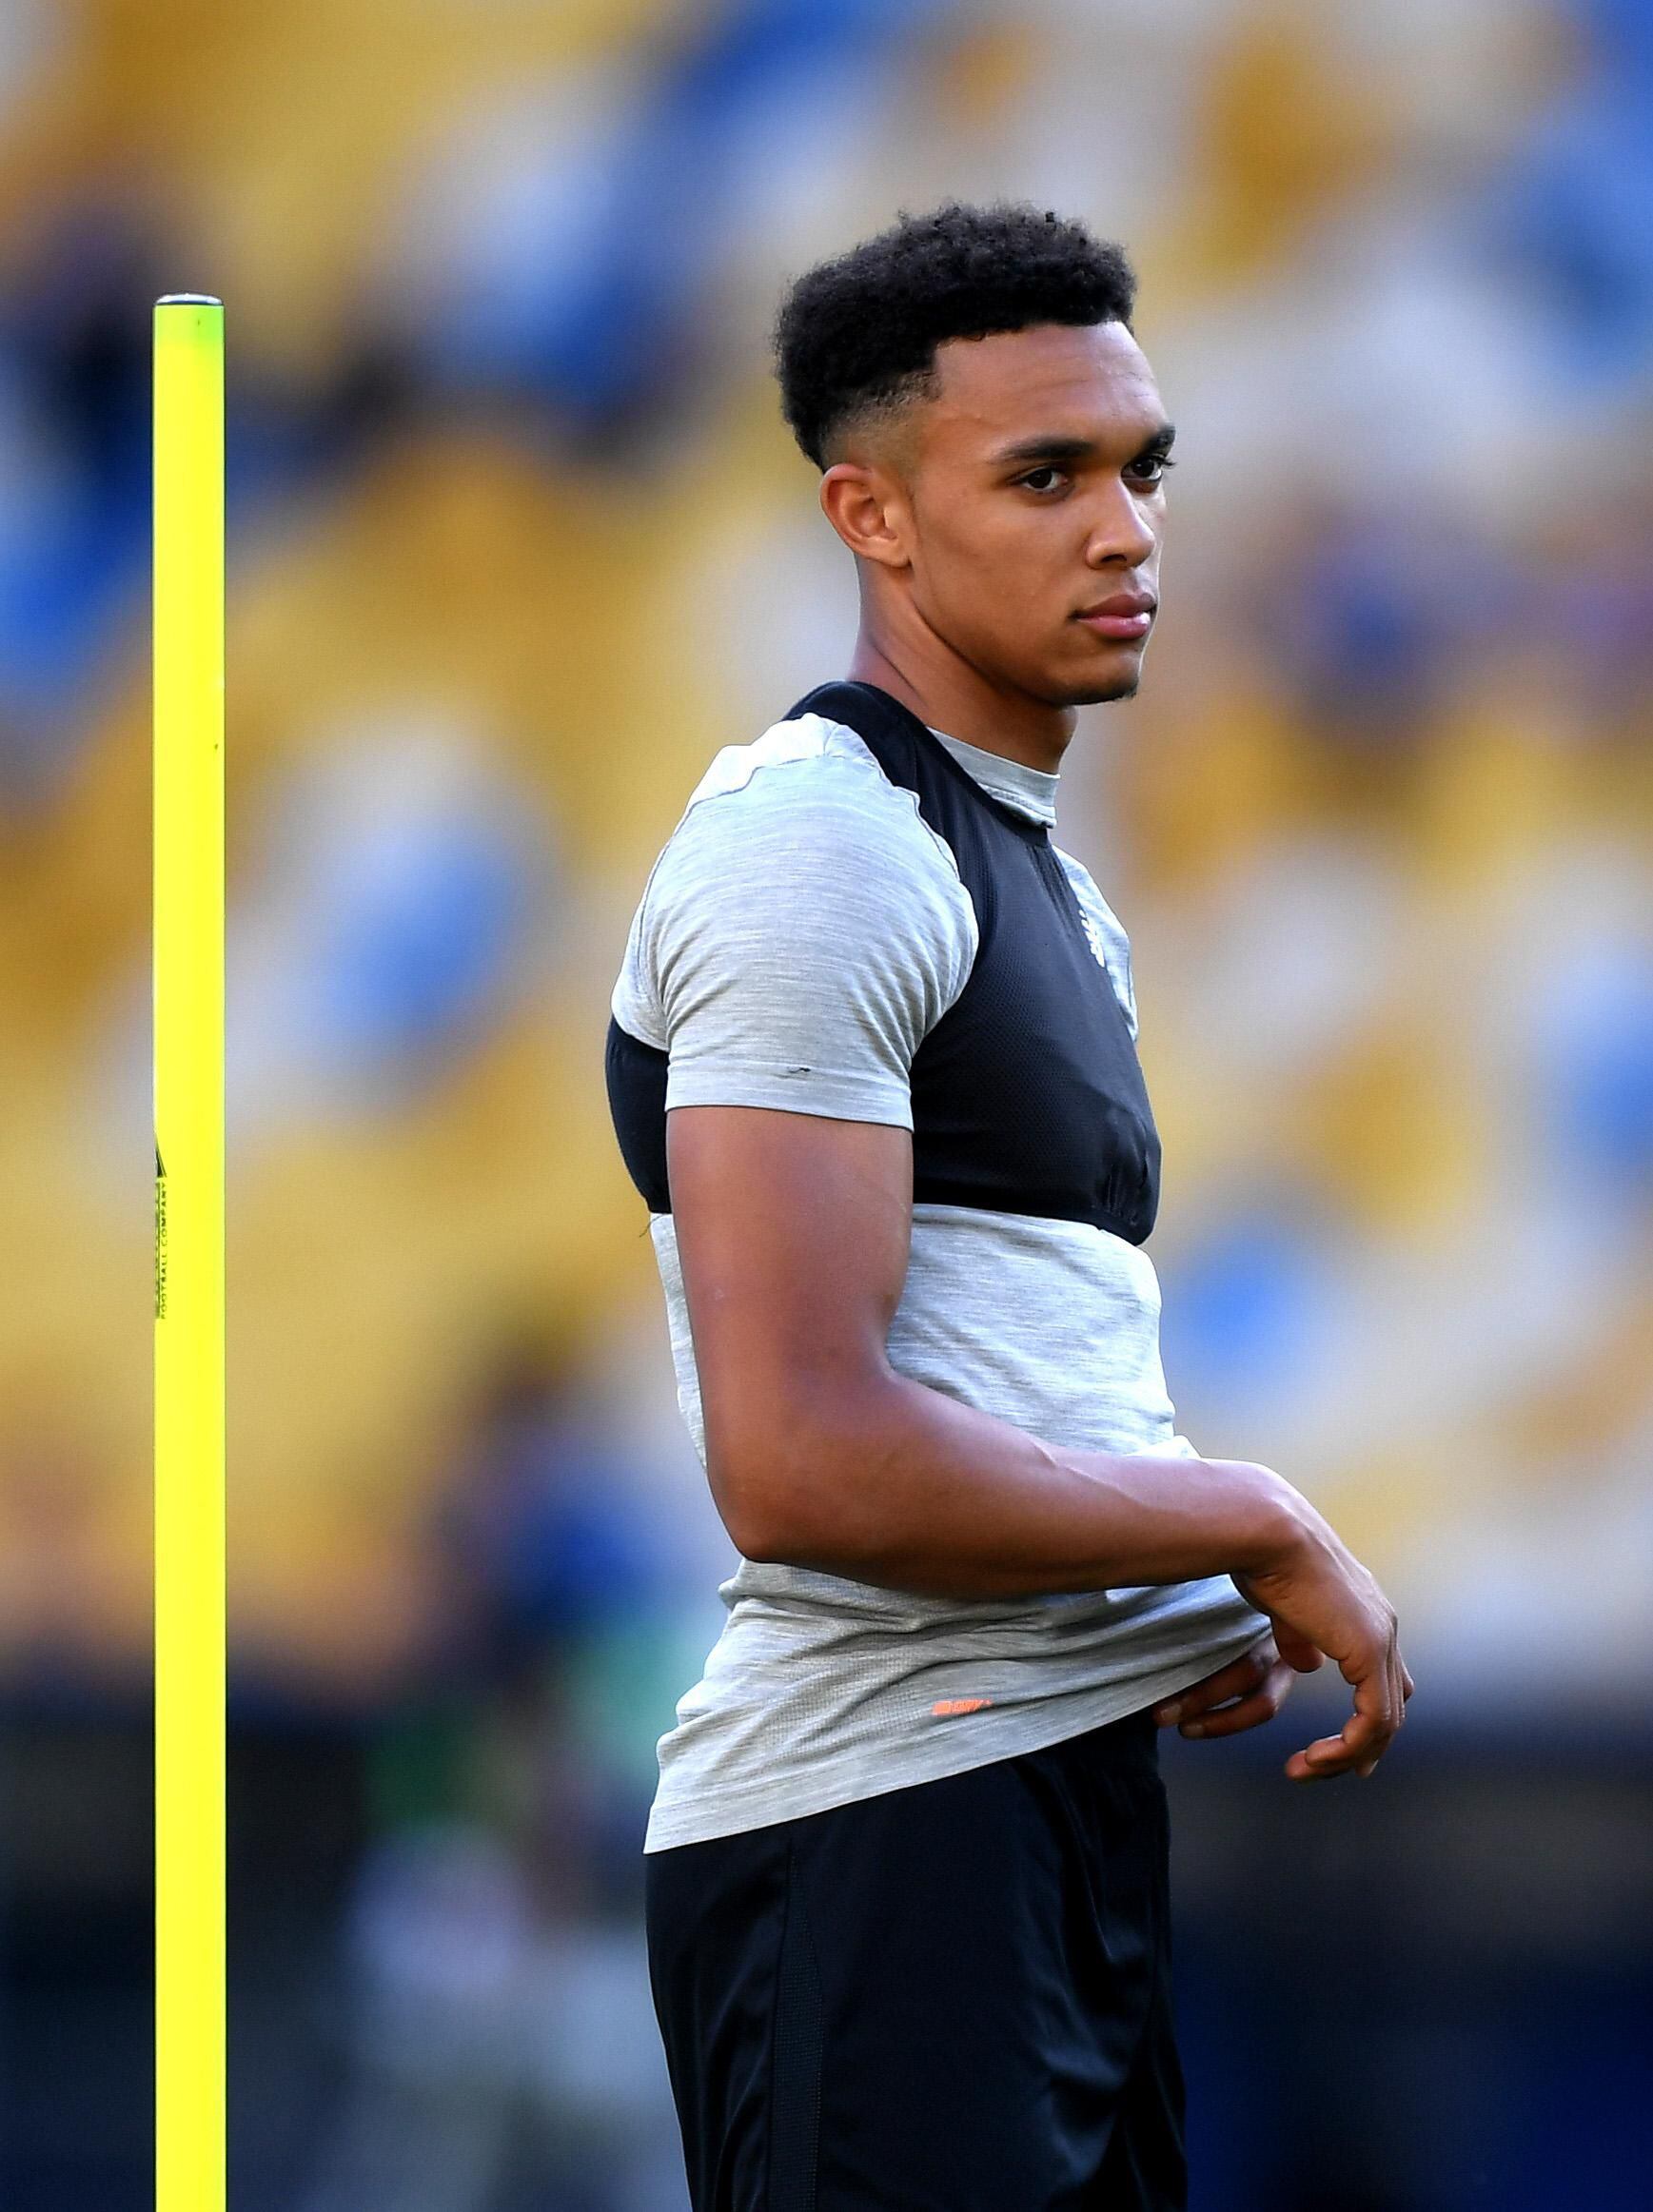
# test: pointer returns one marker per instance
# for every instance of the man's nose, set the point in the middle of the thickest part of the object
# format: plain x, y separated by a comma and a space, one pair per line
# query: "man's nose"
1121, 532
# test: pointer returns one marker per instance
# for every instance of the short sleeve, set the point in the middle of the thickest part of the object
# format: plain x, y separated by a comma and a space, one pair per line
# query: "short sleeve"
799, 936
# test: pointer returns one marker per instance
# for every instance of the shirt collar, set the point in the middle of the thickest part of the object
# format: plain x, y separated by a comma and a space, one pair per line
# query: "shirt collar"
1029, 791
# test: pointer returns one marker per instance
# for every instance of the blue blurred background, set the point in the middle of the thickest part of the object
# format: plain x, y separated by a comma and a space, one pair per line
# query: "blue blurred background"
518, 539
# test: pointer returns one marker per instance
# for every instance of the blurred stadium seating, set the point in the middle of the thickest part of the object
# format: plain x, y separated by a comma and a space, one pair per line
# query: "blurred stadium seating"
518, 539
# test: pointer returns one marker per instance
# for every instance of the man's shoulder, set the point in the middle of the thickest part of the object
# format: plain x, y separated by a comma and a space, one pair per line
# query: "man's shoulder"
798, 876
818, 753
814, 784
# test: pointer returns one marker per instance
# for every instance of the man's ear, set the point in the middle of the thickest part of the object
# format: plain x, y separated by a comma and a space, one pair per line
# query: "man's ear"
868, 509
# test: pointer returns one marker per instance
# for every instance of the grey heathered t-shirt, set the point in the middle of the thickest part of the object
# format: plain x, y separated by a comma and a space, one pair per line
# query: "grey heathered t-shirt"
800, 933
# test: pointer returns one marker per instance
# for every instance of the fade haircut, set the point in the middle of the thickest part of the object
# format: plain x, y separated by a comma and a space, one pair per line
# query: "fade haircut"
855, 336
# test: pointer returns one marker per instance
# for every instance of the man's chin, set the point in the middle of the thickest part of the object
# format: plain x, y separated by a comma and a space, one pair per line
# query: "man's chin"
1116, 677
1101, 689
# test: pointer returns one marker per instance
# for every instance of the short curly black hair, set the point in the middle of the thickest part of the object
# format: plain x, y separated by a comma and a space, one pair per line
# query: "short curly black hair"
857, 334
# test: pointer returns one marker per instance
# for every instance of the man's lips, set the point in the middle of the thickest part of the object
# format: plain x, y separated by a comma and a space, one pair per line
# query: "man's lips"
1126, 615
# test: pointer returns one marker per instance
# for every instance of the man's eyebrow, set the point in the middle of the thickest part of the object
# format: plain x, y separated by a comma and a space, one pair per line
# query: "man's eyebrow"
1053, 447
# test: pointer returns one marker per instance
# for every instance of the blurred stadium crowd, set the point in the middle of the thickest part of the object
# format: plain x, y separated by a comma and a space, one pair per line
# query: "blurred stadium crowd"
518, 539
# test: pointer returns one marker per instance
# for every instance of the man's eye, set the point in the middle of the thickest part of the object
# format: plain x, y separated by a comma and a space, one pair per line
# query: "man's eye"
1147, 470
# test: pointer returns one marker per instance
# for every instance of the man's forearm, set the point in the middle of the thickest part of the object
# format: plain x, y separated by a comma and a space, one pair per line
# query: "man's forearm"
902, 1486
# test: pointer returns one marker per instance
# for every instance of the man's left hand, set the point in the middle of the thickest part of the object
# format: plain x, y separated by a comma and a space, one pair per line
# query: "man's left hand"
1247, 1691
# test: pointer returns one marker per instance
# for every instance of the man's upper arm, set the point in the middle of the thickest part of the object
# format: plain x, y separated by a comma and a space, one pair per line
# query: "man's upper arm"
792, 1234
801, 936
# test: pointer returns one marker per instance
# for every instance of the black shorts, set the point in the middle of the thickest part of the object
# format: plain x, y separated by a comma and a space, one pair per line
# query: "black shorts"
953, 1997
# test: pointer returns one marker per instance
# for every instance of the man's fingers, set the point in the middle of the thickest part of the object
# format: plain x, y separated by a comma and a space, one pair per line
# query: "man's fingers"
1378, 1693
1330, 1755
1262, 1705
1366, 1734
1231, 1681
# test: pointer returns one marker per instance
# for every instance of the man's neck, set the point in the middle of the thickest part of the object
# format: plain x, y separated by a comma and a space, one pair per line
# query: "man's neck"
955, 698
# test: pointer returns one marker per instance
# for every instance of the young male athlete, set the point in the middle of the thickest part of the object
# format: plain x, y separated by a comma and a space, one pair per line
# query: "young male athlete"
873, 1068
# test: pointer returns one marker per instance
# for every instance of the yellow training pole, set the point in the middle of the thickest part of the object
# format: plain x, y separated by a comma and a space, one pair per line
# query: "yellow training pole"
189, 1001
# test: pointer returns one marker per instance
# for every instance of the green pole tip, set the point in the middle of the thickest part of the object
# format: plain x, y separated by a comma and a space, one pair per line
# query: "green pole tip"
188, 300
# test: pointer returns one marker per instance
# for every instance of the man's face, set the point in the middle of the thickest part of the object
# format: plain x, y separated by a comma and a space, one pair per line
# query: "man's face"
1037, 496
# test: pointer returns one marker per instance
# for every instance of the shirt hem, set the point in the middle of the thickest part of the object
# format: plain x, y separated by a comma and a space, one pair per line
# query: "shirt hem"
838, 1098
737, 1809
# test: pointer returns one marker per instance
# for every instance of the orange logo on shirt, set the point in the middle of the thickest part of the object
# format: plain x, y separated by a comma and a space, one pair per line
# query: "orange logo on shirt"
961, 1704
